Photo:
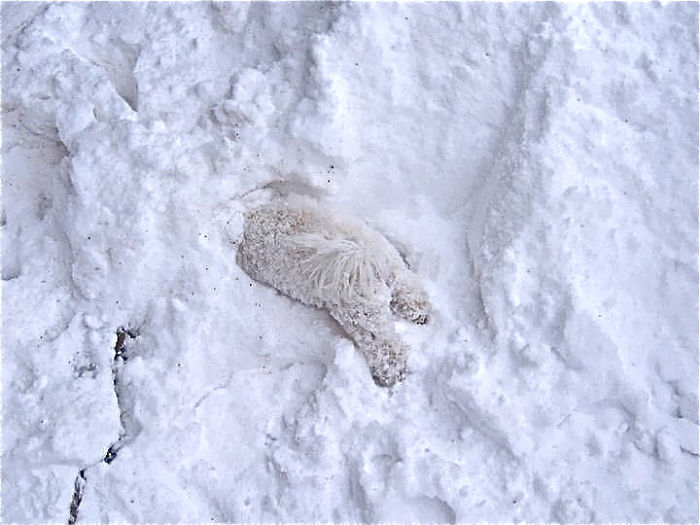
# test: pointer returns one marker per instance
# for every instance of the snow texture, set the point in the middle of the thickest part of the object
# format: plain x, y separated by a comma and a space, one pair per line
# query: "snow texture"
535, 165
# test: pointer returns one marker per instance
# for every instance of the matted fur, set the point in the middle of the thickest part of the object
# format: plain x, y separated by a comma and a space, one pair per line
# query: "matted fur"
337, 268
321, 258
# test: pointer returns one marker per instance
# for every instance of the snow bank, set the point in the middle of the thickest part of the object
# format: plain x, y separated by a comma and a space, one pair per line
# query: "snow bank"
536, 164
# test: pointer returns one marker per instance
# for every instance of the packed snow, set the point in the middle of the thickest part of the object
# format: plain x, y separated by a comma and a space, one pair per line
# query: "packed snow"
536, 166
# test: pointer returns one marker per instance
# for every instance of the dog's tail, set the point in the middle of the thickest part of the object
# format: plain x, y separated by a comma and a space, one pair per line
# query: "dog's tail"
340, 268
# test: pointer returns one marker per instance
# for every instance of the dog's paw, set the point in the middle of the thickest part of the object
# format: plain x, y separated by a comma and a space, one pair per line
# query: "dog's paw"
411, 303
387, 361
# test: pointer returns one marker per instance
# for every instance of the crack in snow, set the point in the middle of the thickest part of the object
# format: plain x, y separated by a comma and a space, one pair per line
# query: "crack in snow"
221, 386
79, 489
130, 427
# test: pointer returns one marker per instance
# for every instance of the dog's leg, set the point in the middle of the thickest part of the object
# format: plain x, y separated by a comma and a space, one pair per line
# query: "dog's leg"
368, 323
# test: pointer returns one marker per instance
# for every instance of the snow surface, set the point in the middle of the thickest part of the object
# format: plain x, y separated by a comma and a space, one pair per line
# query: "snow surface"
535, 163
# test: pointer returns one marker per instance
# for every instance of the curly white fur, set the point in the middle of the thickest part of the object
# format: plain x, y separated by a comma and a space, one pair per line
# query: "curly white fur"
322, 259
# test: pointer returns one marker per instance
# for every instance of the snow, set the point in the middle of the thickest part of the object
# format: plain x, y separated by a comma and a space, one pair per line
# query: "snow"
535, 164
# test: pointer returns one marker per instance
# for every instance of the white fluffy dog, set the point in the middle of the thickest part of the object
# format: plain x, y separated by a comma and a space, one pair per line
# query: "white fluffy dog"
322, 259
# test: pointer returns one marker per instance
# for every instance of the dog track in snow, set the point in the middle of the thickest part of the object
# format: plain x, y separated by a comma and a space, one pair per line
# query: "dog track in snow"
130, 427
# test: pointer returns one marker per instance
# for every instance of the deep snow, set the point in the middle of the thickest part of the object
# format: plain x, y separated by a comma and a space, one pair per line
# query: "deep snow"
536, 164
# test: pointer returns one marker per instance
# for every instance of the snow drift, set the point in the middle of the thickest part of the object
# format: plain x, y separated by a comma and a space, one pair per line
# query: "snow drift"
536, 165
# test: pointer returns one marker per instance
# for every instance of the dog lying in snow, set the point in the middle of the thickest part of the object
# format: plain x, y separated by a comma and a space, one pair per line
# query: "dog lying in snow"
317, 257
